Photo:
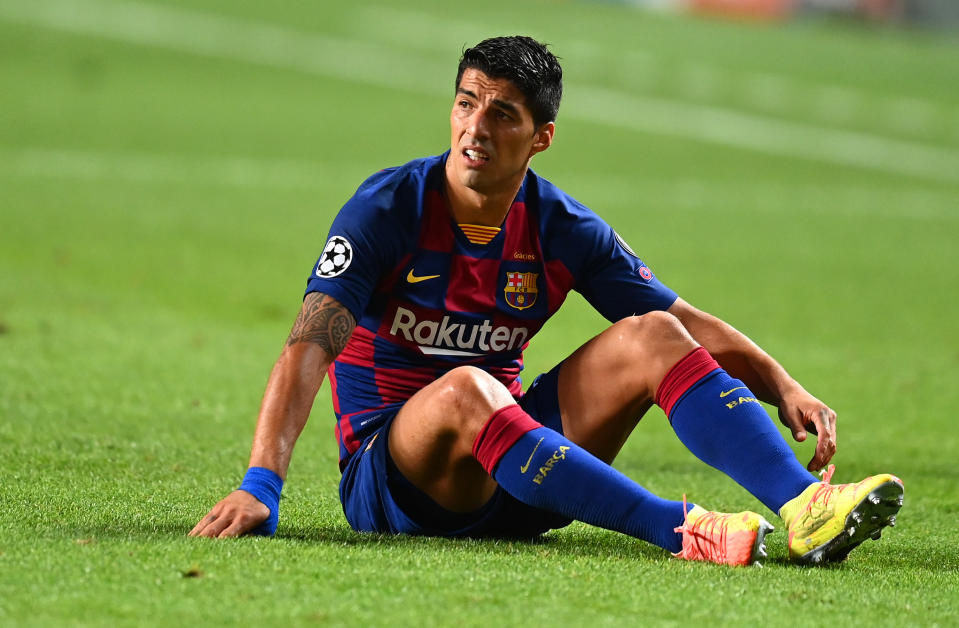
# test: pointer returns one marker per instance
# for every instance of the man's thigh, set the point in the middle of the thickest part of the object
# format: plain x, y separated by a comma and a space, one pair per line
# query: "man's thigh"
364, 491
431, 439
376, 496
606, 386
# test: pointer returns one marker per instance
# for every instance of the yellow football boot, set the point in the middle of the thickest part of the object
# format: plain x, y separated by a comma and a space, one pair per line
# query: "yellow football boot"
827, 521
725, 539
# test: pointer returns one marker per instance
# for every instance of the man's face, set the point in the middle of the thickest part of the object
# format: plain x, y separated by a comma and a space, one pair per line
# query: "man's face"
493, 134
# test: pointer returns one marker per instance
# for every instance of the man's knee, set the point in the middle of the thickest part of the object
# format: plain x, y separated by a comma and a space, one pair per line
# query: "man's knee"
466, 397
650, 345
654, 330
431, 440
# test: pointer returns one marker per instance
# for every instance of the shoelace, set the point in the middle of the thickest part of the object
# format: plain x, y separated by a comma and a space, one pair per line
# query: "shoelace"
825, 488
715, 552
827, 474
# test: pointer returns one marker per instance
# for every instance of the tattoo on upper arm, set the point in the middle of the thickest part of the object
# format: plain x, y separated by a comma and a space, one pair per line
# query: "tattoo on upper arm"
324, 321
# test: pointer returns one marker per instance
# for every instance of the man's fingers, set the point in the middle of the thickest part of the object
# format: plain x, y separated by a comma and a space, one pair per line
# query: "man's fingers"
214, 522
216, 527
824, 420
203, 523
233, 530
817, 463
235, 515
824, 454
794, 422
805, 414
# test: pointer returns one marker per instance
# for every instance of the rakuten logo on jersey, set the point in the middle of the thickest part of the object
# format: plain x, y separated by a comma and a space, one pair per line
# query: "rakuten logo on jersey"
444, 337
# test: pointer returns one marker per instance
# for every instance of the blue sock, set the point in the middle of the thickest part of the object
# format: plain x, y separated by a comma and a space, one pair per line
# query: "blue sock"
724, 425
542, 468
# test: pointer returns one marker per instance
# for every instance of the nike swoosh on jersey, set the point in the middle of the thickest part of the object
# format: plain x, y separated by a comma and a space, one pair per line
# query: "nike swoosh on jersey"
729, 392
525, 467
414, 279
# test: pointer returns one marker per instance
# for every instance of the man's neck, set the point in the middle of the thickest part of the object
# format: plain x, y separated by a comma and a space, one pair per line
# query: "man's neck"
469, 206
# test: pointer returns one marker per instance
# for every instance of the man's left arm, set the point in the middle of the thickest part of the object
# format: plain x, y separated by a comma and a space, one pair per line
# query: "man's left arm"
742, 358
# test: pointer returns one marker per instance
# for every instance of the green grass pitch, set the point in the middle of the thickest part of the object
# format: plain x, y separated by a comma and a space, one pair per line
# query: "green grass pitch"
168, 172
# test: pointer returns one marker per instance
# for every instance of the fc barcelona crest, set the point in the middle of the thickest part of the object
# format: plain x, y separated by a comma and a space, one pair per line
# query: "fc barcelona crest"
521, 289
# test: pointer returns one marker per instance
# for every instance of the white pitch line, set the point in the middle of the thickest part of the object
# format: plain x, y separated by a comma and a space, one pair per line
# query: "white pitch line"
234, 39
765, 135
369, 63
913, 203
909, 114
698, 80
140, 167
836, 103
406, 27
768, 91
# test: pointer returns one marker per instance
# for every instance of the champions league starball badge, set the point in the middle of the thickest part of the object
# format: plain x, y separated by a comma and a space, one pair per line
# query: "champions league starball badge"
335, 259
622, 243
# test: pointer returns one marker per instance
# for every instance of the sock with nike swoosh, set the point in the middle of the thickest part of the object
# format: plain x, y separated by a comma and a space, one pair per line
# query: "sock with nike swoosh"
718, 419
542, 468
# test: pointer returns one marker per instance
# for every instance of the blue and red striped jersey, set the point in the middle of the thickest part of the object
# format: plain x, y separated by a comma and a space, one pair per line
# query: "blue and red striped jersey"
426, 299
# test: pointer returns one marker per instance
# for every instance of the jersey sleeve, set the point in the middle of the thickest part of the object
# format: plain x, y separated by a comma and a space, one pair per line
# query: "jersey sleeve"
605, 270
361, 247
616, 282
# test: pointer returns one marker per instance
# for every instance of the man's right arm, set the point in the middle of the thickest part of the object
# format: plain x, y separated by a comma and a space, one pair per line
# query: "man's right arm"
320, 332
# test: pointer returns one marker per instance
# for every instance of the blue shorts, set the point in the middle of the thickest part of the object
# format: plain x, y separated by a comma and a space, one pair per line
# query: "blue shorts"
376, 497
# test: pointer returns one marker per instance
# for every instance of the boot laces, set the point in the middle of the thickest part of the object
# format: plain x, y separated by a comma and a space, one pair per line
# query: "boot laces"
702, 535
827, 473
825, 489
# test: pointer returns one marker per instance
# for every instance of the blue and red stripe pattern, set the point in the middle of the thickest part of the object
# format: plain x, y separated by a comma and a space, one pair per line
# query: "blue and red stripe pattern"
428, 299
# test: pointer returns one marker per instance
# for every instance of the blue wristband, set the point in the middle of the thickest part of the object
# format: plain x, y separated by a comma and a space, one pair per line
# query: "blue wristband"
266, 486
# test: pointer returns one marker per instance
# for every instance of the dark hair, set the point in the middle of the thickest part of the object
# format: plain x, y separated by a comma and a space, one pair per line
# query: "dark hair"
527, 64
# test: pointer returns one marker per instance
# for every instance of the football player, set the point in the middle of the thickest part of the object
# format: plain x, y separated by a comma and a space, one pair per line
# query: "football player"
435, 277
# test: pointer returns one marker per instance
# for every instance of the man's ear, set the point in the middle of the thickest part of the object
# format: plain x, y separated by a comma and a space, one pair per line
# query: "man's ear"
543, 138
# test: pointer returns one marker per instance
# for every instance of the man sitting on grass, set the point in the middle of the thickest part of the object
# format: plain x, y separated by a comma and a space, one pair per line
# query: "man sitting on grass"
436, 275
